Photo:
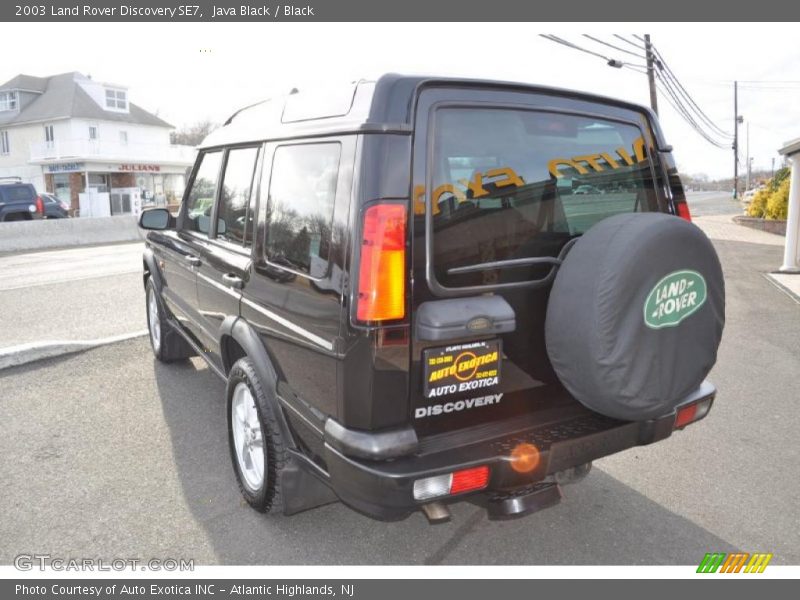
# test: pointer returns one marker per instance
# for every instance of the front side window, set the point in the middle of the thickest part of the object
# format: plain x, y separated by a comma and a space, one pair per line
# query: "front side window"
234, 215
8, 101
302, 192
509, 183
200, 200
5, 147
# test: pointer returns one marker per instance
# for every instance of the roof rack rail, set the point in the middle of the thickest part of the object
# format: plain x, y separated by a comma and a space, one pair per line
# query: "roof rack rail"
11, 179
234, 115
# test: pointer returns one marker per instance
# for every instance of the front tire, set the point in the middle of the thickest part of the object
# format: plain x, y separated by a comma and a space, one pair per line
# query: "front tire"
257, 447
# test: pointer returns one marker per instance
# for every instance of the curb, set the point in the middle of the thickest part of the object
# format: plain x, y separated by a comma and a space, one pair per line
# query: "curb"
14, 356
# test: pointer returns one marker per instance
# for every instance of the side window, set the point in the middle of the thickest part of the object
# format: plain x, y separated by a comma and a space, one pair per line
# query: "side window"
201, 196
302, 191
233, 214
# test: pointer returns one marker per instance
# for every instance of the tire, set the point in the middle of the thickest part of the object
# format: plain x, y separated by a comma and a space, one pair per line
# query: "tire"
258, 456
167, 344
636, 314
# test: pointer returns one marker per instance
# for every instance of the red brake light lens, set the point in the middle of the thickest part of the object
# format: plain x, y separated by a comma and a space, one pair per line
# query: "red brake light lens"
683, 211
382, 270
39, 205
685, 416
469, 480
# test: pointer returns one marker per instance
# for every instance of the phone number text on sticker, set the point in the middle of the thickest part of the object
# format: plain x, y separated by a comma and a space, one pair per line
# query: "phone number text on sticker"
461, 368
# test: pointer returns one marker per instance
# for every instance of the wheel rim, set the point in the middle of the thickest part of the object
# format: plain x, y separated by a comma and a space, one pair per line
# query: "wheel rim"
247, 440
153, 320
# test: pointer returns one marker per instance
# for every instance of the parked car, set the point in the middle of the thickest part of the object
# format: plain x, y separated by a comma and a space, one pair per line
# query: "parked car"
19, 201
55, 207
587, 189
406, 310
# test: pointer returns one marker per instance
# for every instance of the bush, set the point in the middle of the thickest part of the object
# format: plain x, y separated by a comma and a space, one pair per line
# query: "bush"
772, 202
778, 203
758, 205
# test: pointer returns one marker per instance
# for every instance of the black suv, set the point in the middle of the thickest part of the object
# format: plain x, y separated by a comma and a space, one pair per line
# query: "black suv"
19, 201
422, 290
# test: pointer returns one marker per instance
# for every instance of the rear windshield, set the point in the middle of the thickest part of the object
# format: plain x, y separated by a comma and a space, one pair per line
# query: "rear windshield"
516, 184
17, 193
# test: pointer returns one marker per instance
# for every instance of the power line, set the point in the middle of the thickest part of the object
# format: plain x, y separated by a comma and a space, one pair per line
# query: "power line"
664, 67
634, 44
559, 40
594, 39
673, 98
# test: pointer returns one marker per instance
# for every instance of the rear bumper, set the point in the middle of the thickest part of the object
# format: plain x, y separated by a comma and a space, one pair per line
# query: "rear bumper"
384, 488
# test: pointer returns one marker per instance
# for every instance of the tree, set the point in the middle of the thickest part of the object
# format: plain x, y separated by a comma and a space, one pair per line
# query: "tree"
192, 135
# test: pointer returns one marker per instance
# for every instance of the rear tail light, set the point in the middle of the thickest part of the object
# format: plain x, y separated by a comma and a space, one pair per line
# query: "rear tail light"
467, 480
683, 211
692, 413
382, 270
39, 205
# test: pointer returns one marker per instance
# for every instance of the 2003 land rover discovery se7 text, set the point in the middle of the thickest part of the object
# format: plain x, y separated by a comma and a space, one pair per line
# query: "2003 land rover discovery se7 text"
415, 300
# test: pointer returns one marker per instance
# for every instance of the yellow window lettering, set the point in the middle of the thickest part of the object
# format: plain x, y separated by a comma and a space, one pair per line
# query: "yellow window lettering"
591, 160
610, 161
552, 166
639, 151
475, 186
511, 177
623, 154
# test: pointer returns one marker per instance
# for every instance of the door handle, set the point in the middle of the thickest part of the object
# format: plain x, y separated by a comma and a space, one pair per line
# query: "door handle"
193, 261
233, 281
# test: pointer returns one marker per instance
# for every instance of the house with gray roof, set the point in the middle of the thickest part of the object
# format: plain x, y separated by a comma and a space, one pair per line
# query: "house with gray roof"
67, 134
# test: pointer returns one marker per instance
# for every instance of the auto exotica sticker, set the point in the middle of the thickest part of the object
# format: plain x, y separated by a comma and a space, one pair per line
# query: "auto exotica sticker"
674, 298
461, 368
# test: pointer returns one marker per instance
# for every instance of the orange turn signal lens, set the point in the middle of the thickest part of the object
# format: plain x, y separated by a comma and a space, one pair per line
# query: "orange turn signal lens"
525, 458
382, 272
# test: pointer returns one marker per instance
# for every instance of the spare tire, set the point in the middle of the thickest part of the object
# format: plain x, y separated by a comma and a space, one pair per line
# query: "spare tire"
636, 314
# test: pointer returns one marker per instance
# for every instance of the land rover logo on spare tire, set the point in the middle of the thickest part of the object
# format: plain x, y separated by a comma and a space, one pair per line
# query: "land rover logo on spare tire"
674, 298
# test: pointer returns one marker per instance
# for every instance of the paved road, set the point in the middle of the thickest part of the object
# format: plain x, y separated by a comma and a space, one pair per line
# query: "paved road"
76, 294
713, 203
109, 453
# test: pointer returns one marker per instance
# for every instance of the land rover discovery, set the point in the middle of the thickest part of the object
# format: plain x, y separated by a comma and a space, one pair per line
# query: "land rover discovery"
423, 290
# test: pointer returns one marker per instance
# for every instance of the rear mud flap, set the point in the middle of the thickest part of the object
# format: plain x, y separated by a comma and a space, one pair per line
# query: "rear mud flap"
303, 489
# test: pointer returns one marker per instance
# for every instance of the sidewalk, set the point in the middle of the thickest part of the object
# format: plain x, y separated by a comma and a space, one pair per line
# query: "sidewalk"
722, 227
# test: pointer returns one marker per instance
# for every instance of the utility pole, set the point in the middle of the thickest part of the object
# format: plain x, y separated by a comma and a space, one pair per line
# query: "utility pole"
735, 140
772, 173
651, 79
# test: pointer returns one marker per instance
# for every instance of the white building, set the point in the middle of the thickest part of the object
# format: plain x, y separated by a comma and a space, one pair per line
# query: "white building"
67, 134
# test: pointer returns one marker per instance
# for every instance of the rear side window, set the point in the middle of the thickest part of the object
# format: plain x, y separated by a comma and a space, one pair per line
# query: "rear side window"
302, 192
510, 184
200, 200
18, 193
234, 214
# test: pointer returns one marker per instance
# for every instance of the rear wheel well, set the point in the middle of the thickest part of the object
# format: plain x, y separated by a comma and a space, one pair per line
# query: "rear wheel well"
231, 352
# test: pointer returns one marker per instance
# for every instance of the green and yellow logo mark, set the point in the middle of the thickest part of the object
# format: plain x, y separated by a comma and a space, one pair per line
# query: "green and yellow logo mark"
737, 562
674, 298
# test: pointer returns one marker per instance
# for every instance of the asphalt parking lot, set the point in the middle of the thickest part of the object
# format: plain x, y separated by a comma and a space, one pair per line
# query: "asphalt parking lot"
108, 453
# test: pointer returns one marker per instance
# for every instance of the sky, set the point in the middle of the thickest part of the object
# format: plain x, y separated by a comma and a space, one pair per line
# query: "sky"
193, 71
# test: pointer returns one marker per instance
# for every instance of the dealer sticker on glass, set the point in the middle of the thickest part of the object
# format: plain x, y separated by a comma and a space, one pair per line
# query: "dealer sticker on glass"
461, 368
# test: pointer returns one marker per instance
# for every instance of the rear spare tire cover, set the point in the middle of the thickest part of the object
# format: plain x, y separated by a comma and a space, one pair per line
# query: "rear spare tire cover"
635, 315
